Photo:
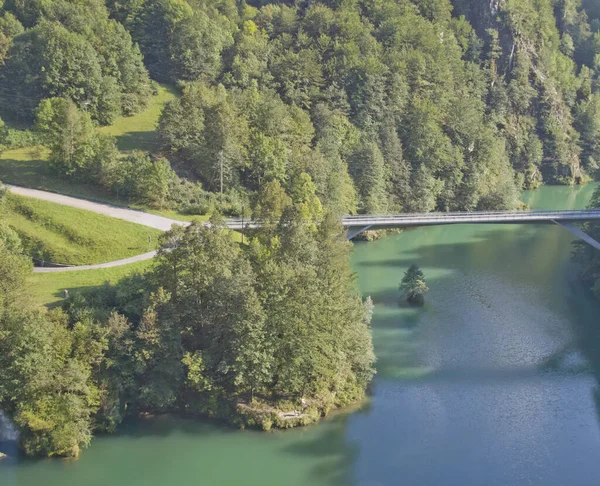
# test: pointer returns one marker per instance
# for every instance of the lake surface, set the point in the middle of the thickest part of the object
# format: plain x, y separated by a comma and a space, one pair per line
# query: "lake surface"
493, 382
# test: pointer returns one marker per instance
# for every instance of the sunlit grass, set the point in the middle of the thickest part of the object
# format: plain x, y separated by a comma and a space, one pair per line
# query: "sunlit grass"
61, 234
48, 288
28, 167
138, 132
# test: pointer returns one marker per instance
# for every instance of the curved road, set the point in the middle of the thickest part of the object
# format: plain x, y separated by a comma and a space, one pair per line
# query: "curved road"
131, 215
116, 263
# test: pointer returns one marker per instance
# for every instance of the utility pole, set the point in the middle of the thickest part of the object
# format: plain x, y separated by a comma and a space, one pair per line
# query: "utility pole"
242, 224
221, 165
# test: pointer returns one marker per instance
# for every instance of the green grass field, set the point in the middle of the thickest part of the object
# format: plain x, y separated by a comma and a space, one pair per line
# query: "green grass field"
138, 132
28, 167
48, 288
61, 234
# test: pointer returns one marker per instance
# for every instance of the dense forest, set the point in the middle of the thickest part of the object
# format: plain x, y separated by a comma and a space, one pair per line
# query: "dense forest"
388, 105
297, 112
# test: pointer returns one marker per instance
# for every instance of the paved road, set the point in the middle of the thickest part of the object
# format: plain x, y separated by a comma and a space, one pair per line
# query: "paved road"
116, 263
131, 215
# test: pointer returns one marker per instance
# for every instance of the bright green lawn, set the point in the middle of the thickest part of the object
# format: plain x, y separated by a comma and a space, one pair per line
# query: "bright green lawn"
28, 167
48, 288
61, 234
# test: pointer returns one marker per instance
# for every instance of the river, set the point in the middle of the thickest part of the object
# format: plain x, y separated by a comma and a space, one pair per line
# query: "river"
493, 382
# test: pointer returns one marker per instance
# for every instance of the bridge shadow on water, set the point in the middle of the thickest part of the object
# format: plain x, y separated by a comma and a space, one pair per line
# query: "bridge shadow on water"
530, 262
483, 244
473, 270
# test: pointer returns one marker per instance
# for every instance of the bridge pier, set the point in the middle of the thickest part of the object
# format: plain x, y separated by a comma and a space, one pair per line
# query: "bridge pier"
579, 233
354, 232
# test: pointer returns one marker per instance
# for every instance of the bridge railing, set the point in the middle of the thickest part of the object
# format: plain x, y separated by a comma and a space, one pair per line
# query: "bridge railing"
454, 216
513, 215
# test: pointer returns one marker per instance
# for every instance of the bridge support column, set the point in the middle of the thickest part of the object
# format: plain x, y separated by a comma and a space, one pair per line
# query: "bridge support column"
354, 232
579, 233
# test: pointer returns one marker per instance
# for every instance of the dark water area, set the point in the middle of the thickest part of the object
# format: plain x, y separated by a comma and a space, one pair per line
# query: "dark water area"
495, 381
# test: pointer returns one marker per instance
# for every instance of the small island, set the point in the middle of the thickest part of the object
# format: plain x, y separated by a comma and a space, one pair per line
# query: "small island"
413, 285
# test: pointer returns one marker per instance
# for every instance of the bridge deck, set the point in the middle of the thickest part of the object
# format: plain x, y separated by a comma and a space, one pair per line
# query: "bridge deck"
406, 220
430, 219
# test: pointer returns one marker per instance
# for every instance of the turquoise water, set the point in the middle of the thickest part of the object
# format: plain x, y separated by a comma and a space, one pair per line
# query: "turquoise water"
493, 382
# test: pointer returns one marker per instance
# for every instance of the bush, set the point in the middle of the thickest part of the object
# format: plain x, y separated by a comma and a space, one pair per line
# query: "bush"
139, 178
14, 139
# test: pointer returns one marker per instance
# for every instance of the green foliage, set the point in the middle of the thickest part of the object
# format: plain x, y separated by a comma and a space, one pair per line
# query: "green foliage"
70, 50
368, 170
177, 41
9, 28
138, 178
388, 106
45, 384
413, 285
215, 328
270, 202
77, 149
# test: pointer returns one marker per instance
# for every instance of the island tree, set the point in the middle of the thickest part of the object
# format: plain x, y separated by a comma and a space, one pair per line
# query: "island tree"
413, 285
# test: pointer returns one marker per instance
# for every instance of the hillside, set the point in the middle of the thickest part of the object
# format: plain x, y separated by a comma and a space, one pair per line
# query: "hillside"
403, 105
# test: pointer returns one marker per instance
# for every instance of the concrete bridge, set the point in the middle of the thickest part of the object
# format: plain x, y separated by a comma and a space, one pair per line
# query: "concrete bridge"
357, 224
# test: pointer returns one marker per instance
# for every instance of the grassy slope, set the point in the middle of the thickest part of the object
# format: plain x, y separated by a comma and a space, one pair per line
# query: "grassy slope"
139, 132
48, 288
61, 234
28, 167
